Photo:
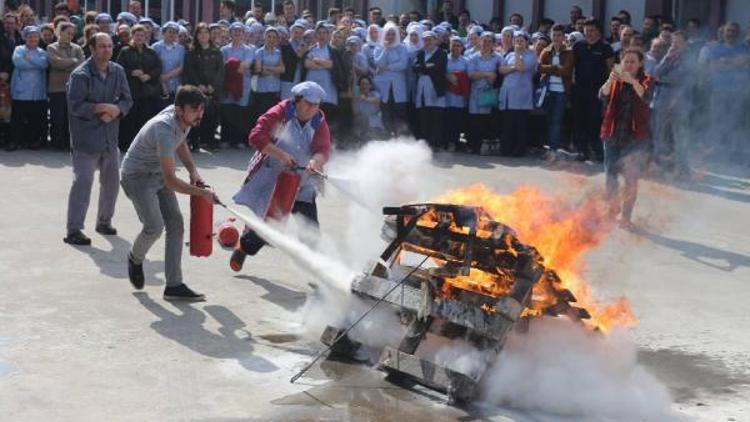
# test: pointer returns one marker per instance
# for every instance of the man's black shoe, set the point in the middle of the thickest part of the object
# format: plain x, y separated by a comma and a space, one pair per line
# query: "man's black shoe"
182, 293
106, 229
77, 238
135, 273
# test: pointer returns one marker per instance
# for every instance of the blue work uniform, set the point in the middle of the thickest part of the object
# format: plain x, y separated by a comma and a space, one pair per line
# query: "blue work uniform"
29, 79
368, 111
241, 53
460, 64
517, 91
323, 77
268, 83
172, 57
368, 50
479, 63
391, 79
426, 95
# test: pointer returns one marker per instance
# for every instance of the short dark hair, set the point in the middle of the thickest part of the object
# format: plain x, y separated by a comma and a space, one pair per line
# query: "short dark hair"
288, 2
62, 26
59, 19
465, 12
592, 22
364, 77
679, 33
62, 6
558, 27
189, 95
615, 19
229, 4
517, 14
624, 12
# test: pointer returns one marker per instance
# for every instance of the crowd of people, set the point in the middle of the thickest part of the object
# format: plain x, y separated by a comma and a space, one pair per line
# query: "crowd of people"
459, 84
452, 81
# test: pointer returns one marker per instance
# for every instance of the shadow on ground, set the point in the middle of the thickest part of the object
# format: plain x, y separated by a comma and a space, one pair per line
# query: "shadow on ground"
692, 376
185, 327
289, 299
707, 255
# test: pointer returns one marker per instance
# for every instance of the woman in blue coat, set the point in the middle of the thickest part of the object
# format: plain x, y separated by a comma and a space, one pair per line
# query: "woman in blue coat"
391, 61
235, 108
28, 88
319, 65
372, 42
517, 95
430, 68
269, 67
482, 70
455, 112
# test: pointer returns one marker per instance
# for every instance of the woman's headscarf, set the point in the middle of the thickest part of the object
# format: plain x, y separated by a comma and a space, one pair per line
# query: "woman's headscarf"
380, 35
390, 26
414, 29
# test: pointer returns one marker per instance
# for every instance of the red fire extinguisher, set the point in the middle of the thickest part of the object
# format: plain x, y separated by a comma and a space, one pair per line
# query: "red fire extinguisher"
283, 196
201, 226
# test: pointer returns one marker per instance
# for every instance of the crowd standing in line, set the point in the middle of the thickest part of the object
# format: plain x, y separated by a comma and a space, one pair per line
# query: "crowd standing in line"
559, 90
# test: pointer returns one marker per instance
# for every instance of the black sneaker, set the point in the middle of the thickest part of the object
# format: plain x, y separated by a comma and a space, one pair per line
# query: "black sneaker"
135, 273
77, 238
106, 229
182, 293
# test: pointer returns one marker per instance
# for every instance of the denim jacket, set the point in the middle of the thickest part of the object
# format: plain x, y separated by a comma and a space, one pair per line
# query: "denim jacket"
29, 80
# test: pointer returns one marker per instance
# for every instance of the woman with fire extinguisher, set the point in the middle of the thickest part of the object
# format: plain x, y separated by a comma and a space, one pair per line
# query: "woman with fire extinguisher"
290, 135
149, 181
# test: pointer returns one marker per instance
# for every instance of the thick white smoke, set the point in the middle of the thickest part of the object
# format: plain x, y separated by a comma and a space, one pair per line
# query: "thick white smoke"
561, 368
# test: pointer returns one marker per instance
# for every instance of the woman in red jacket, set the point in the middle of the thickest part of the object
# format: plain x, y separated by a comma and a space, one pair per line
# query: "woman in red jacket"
625, 130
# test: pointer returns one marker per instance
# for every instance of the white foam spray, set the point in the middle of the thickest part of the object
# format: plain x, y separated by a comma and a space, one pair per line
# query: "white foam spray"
326, 269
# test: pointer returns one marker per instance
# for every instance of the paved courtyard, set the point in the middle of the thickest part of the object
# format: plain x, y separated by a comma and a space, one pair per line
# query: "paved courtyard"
78, 343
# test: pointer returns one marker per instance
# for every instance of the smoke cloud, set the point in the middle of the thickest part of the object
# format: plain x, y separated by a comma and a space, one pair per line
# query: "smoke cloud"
561, 368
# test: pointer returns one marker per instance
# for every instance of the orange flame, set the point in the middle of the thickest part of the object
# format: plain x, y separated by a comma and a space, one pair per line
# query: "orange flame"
561, 231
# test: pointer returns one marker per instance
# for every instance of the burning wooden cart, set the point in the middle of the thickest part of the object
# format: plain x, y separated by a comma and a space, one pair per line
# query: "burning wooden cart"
463, 276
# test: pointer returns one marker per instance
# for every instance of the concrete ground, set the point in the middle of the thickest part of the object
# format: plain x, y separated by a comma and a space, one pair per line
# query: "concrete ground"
77, 343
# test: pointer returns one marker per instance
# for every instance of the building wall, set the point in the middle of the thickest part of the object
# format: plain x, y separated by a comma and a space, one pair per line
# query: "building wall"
559, 10
398, 6
524, 7
481, 10
738, 11
635, 7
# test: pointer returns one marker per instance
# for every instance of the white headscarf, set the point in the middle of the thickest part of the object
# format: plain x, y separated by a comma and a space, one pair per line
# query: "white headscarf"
390, 26
411, 29
380, 35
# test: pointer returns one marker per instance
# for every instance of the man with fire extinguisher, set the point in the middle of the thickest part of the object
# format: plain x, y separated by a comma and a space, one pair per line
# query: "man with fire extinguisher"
290, 136
149, 181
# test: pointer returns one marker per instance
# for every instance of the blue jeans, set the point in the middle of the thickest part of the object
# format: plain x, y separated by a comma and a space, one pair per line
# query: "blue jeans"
554, 106
629, 161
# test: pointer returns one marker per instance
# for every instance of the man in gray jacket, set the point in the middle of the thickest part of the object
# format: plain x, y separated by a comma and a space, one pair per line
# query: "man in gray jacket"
98, 96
